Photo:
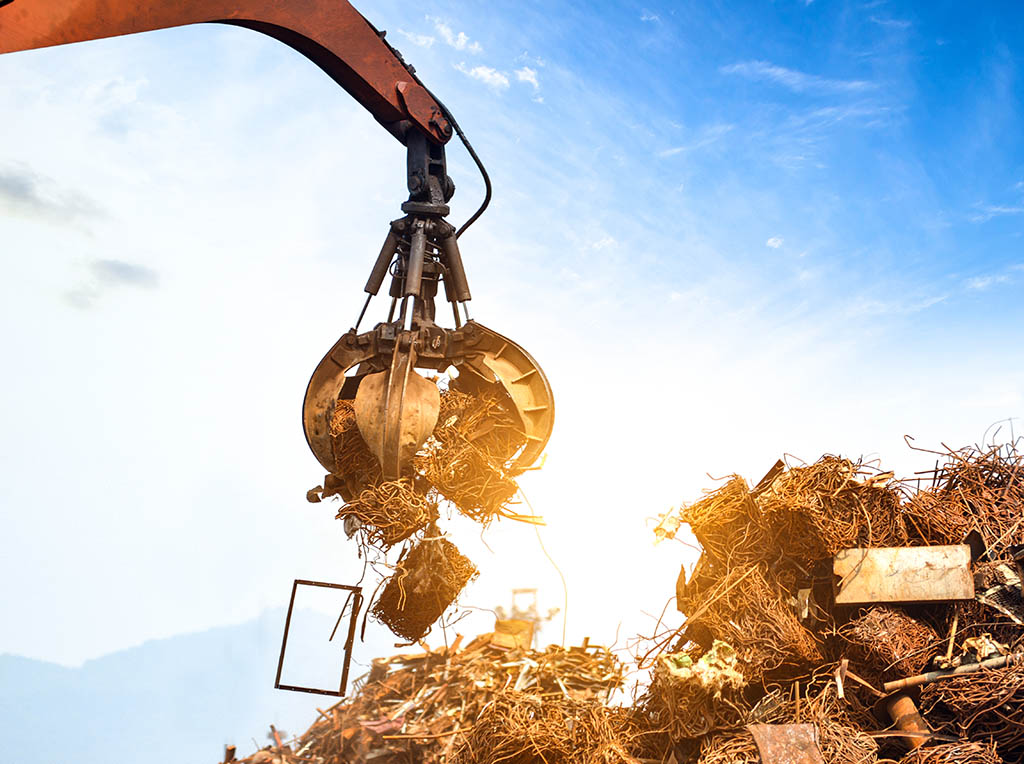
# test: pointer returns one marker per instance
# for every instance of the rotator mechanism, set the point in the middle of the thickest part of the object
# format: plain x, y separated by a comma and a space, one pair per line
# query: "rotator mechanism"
397, 408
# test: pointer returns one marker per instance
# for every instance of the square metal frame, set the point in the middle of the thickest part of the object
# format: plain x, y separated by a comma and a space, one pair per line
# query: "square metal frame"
356, 597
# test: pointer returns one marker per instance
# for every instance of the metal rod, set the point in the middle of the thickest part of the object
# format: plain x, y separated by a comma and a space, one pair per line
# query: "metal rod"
284, 638
450, 247
380, 268
363, 311
970, 668
414, 268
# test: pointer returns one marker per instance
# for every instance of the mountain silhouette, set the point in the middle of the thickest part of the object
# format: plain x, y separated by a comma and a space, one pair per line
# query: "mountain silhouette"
174, 700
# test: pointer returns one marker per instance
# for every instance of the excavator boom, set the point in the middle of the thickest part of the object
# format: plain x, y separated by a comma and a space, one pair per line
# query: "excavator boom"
396, 409
330, 33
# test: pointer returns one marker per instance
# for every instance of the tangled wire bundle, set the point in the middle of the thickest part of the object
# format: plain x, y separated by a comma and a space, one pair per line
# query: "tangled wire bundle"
974, 489
746, 608
414, 709
353, 460
985, 705
523, 729
954, 753
691, 702
469, 458
824, 507
839, 740
424, 584
889, 643
729, 525
390, 512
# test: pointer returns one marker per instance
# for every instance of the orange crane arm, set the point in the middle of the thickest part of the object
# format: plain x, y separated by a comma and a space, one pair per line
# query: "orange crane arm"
330, 33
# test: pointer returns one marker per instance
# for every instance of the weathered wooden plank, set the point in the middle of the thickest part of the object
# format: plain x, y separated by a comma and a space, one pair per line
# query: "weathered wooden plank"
904, 574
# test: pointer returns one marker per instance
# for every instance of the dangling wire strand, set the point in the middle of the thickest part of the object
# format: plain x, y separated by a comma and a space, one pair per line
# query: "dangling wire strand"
469, 147
565, 586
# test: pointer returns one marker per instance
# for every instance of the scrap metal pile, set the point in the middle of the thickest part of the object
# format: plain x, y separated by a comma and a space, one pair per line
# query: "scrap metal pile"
469, 460
847, 615
836, 615
483, 704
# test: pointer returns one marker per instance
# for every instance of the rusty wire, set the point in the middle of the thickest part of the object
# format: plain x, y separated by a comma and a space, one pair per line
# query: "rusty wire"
974, 488
833, 504
470, 457
424, 584
804, 515
965, 752
885, 642
353, 460
839, 738
517, 728
420, 708
748, 609
984, 705
689, 708
390, 512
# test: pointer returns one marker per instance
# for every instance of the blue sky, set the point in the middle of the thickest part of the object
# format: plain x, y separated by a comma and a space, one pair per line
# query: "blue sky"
726, 232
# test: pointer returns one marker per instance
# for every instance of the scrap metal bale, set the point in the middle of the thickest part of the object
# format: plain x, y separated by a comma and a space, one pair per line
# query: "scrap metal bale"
886, 642
749, 610
425, 583
728, 524
469, 458
690, 696
833, 504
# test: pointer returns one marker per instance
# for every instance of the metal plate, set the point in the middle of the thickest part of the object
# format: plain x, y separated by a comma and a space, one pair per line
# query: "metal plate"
904, 574
787, 743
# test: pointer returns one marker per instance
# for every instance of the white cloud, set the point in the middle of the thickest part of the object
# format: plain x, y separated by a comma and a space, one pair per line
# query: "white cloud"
979, 283
423, 40
989, 211
526, 74
604, 242
775, 242
486, 75
458, 41
708, 135
891, 23
796, 81
652, 17
526, 58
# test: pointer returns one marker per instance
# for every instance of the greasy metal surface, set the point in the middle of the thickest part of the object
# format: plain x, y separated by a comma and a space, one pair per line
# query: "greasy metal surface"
331, 33
396, 411
356, 598
903, 574
787, 743
482, 356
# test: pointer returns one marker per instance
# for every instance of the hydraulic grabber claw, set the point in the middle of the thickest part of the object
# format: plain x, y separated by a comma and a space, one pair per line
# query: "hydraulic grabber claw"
396, 408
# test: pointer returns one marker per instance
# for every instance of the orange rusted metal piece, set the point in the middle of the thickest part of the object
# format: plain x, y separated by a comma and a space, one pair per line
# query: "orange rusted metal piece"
330, 33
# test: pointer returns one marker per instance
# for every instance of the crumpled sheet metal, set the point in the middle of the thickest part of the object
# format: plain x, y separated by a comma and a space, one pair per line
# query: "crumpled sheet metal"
787, 743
